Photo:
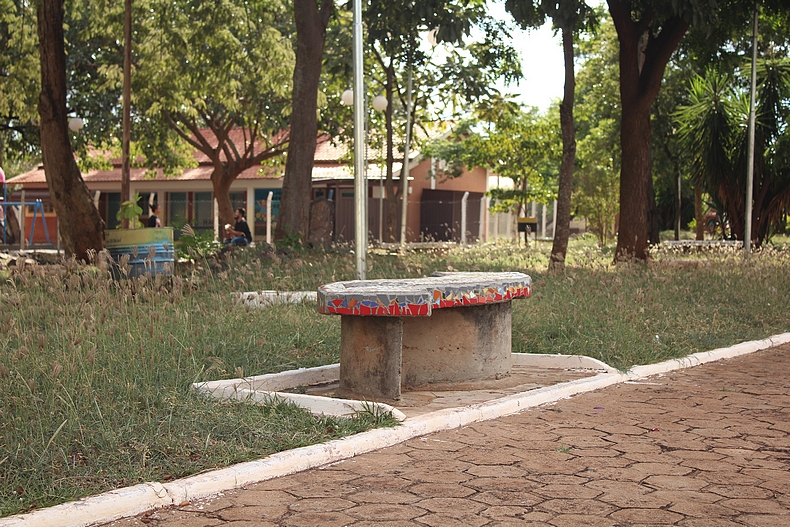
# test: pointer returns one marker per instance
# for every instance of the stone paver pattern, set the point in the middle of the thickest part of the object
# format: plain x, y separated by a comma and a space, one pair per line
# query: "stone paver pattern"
706, 446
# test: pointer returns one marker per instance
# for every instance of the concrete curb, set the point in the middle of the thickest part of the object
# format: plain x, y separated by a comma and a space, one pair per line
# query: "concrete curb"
134, 500
272, 298
638, 372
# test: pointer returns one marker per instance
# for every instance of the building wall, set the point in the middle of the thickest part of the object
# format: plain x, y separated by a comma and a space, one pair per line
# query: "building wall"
474, 180
250, 193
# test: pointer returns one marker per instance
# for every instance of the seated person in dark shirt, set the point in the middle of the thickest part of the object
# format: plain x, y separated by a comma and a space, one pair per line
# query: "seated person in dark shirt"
240, 233
153, 219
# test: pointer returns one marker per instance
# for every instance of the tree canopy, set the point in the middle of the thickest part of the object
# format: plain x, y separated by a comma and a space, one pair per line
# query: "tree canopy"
218, 75
517, 144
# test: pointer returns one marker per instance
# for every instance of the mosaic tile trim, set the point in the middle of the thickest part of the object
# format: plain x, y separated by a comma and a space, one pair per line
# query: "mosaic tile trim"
418, 297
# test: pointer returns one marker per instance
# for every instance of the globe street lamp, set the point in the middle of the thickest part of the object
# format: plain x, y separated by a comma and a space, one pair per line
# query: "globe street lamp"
379, 101
76, 124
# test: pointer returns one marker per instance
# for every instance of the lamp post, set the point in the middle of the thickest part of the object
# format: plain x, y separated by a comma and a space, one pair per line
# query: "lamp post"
360, 164
360, 234
747, 238
404, 171
126, 119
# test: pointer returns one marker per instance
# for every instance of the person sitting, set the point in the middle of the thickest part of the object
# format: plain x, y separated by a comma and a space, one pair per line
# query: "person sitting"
153, 219
240, 233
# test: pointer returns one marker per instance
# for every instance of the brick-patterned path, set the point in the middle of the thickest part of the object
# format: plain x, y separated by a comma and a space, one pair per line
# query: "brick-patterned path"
707, 446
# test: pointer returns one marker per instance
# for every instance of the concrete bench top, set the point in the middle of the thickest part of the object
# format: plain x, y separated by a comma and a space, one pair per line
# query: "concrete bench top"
417, 297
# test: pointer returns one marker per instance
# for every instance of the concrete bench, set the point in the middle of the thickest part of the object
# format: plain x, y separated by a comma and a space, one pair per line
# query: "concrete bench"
401, 334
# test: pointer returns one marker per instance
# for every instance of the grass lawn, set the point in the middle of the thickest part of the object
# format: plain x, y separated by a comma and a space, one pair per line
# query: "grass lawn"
95, 374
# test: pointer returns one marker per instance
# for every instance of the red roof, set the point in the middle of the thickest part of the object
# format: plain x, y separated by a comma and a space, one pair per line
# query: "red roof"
331, 162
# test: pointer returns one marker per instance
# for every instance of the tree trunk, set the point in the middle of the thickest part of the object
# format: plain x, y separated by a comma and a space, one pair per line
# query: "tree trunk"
311, 22
221, 182
635, 179
81, 228
643, 57
562, 222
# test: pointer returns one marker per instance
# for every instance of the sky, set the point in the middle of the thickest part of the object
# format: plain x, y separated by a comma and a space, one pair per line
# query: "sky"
542, 65
541, 61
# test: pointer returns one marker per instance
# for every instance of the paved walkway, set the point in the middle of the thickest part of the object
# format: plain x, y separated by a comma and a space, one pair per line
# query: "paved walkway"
707, 446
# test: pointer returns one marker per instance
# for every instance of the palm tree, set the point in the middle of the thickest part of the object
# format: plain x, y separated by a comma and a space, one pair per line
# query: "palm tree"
713, 128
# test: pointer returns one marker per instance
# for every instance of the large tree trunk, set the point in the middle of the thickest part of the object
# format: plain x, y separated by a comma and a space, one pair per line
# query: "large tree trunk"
643, 58
81, 228
311, 22
221, 180
563, 220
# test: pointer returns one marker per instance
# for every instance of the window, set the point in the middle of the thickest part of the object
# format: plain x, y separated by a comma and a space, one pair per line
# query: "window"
261, 195
203, 211
177, 209
113, 206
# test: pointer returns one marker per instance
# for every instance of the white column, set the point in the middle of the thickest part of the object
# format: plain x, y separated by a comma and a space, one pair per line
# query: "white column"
554, 222
216, 220
463, 218
543, 221
269, 217
484, 218
481, 231
22, 223
381, 207
251, 210
496, 225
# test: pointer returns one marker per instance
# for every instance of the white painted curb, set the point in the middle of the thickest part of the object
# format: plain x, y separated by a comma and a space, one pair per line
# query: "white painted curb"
271, 382
638, 372
271, 298
134, 500
108, 506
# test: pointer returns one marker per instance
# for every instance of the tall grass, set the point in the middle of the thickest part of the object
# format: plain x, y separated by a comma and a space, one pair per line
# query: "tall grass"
95, 373
95, 381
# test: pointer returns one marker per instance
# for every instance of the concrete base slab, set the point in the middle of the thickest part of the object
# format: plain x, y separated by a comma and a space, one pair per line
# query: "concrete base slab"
320, 391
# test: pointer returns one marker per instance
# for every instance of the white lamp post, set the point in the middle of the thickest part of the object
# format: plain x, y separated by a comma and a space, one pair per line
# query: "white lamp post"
360, 164
747, 232
360, 192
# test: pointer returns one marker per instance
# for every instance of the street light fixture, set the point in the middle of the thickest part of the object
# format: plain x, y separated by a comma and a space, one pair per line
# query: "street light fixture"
347, 98
76, 124
379, 101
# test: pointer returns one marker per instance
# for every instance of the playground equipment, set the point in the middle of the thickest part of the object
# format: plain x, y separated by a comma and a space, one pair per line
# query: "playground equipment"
38, 208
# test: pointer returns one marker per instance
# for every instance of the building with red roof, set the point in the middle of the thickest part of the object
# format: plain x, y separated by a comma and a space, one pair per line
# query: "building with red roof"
433, 207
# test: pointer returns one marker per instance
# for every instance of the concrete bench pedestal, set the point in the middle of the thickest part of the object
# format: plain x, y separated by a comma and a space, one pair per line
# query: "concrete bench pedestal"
403, 334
